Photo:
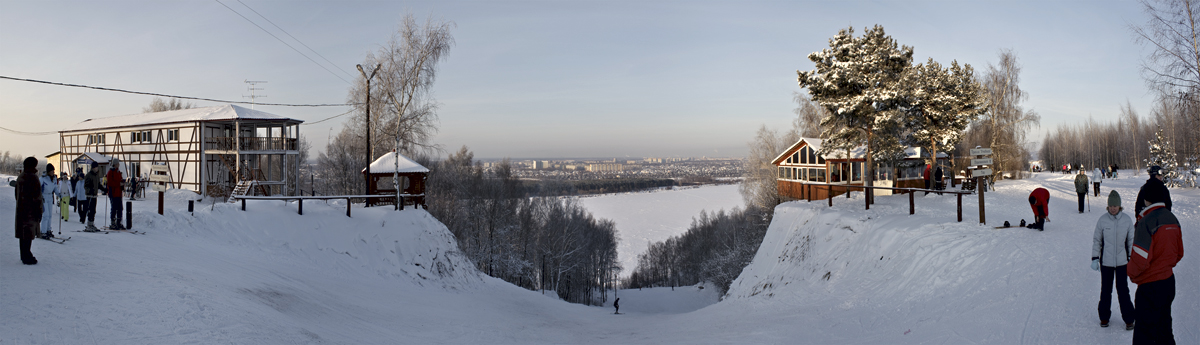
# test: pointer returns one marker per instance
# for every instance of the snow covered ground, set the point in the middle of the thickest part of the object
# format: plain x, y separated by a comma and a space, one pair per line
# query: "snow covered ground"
654, 216
271, 276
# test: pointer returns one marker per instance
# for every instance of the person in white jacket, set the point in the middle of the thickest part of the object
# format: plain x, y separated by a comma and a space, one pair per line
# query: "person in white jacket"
50, 193
64, 189
1097, 177
80, 196
1111, 245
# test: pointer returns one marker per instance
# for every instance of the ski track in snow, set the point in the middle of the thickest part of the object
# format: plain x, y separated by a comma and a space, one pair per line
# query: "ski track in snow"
839, 275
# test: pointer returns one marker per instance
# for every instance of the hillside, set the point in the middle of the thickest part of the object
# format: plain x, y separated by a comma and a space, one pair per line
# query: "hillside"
271, 276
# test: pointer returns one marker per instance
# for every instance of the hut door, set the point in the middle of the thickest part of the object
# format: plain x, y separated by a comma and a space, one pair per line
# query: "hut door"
884, 177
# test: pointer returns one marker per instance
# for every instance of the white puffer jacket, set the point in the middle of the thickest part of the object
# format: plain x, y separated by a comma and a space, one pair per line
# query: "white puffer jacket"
1113, 239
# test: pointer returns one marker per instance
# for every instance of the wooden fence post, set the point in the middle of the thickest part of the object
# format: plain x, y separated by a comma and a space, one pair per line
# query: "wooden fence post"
347, 207
300, 203
959, 207
912, 208
243, 204
866, 195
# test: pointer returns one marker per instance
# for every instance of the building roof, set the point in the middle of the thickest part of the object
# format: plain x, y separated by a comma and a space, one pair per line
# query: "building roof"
812, 142
226, 112
857, 153
95, 157
386, 164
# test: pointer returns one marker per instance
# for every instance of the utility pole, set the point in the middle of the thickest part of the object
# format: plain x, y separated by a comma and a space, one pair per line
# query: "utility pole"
252, 96
367, 176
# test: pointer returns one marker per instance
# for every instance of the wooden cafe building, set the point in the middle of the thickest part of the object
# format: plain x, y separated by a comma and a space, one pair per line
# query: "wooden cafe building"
803, 174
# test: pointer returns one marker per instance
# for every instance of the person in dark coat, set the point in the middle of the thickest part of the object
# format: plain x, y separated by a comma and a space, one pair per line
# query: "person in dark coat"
617, 305
1081, 188
115, 193
28, 216
1039, 200
1154, 181
1157, 248
938, 177
91, 187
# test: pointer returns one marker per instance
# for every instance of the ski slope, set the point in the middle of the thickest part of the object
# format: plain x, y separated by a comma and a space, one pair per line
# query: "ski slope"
270, 276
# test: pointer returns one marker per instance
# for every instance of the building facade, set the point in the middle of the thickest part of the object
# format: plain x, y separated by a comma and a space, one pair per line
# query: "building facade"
802, 173
206, 150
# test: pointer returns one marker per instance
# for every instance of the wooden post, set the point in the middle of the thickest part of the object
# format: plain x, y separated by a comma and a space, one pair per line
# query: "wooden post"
160, 203
912, 206
829, 193
400, 202
866, 195
979, 187
959, 207
243, 204
300, 203
347, 207
129, 214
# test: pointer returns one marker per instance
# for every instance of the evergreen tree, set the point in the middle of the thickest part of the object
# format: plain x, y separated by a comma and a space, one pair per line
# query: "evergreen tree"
1162, 154
857, 79
941, 103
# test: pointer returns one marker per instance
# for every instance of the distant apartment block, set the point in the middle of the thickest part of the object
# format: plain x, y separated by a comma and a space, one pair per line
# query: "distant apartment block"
605, 167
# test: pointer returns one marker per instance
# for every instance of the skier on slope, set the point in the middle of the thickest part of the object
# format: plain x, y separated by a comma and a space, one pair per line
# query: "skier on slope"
49, 199
28, 215
115, 190
1157, 248
1154, 181
1039, 200
1111, 245
92, 187
1081, 187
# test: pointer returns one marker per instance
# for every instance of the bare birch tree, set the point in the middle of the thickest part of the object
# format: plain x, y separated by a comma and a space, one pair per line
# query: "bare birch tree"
1005, 123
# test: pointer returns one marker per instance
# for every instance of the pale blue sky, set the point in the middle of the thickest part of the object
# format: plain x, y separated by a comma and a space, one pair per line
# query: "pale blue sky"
547, 79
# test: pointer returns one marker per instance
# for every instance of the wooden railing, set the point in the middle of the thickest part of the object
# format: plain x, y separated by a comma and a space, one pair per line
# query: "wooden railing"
831, 188
251, 143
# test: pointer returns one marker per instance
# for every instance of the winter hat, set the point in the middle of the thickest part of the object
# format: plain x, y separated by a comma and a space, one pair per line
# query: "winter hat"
30, 163
1155, 192
94, 165
1114, 199
1154, 170
49, 167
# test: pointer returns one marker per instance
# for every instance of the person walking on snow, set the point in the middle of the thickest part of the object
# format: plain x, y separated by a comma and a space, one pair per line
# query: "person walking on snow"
1081, 187
114, 180
50, 193
1039, 201
80, 198
617, 305
28, 192
1155, 180
1097, 177
91, 187
1111, 244
64, 205
1157, 248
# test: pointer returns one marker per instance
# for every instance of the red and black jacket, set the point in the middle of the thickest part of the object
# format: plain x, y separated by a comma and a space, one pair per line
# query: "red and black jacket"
1157, 245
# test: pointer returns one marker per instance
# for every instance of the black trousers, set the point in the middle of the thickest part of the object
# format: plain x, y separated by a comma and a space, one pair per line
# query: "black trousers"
1081, 196
26, 245
91, 209
1096, 187
1107, 275
1154, 312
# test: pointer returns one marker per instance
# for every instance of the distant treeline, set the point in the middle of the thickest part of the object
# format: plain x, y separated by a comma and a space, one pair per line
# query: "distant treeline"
11, 164
715, 248
539, 242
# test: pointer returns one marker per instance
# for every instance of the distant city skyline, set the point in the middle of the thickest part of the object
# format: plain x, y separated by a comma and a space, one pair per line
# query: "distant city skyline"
544, 79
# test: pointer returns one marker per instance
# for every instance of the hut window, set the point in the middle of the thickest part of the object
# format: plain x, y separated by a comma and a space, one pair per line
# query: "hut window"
172, 134
781, 171
856, 171
796, 158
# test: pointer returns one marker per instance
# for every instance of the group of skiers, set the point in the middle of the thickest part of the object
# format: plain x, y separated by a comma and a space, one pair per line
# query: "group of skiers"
1146, 250
37, 195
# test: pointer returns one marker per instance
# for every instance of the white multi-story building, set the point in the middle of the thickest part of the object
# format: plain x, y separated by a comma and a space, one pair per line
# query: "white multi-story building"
206, 150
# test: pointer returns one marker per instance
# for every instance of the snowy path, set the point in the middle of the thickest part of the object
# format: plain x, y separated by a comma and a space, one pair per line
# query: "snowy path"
271, 276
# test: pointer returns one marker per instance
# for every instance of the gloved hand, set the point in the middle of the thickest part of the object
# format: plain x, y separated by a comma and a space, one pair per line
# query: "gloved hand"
1095, 264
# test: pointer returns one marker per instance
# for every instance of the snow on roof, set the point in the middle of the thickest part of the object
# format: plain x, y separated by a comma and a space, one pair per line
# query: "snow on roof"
387, 164
218, 113
94, 157
857, 153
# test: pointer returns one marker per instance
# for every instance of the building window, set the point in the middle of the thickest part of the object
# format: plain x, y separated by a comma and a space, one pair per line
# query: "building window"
796, 158
816, 175
172, 134
781, 171
856, 172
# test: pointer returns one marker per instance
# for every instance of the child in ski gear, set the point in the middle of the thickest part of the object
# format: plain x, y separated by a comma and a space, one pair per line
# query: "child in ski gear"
29, 209
1039, 200
64, 189
49, 183
1155, 180
1157, 248
92, 189
115, 189
1081, 187
1111, 244
1097, 177
80, 198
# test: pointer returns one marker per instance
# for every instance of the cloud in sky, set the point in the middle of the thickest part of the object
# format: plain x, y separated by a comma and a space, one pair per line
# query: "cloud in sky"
546, 78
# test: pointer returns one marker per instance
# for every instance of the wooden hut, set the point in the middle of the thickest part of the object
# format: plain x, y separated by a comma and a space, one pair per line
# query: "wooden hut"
412, 178
802, 173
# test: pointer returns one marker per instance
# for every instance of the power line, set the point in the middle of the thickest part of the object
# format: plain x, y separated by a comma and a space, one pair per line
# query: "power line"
30, 133
327, 118
173, 96
282, 41
297, 39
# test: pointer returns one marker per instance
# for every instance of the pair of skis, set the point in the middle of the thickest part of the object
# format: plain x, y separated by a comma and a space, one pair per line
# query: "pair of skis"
58, 240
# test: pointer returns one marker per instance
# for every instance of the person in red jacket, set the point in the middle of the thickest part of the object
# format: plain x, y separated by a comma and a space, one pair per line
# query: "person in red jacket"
114, 179
1157, 247
1039, 200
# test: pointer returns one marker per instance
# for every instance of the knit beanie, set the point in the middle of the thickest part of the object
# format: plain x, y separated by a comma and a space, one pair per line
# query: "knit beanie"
30, 163
1114, 199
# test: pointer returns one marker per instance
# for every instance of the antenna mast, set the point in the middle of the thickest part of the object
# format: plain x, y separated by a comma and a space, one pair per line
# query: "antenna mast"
252, 88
